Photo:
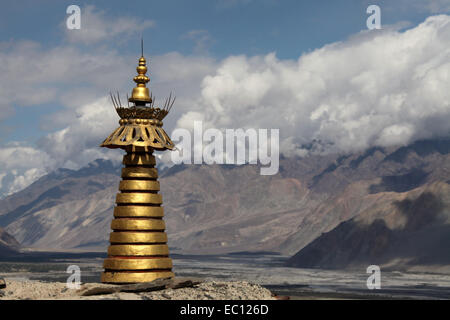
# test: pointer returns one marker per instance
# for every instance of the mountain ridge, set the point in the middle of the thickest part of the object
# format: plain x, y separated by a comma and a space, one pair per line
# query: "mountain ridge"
216, 209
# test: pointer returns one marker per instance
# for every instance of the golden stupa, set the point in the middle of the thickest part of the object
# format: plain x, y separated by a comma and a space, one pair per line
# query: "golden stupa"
138, 250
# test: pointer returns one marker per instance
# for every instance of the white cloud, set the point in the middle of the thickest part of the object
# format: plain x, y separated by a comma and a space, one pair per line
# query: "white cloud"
98, 25
72, 147
79, 141
20, 165
380, 87
28, 177
34, 75
87, 119
376, 88
18, 156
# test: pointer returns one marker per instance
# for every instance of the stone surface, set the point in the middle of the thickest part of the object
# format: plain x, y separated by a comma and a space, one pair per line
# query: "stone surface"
91, 289
208, 290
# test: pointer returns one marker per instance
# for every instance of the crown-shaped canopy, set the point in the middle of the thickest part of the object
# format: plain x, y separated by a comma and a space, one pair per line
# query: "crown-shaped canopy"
141, 122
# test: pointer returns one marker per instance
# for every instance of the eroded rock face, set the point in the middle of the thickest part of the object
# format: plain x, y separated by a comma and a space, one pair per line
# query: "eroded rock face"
8, 244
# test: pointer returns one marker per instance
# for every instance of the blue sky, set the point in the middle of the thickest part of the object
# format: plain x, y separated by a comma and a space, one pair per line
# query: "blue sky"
216, 55
199, 27
288, 27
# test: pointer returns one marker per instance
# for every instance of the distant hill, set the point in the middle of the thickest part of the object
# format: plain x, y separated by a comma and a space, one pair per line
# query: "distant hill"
63, 209
217, 209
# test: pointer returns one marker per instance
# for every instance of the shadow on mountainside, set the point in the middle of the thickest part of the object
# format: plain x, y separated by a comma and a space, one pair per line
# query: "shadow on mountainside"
400, 183
422, 148
423, 240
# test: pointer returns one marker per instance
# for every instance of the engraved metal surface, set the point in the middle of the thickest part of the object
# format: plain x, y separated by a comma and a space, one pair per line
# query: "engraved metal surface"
138, 237
138, 250
137, 264
139, 134
130, 185
134, 277
138, 211
139, 159
137, 224
135, 197
140, 172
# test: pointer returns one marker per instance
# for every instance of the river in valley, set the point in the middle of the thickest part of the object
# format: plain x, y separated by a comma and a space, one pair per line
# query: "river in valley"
265, 269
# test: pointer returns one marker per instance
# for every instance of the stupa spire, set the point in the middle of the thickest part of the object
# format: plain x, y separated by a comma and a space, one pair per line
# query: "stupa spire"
140, 94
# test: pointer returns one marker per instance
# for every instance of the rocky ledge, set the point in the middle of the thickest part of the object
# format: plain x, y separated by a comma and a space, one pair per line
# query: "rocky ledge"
168, 289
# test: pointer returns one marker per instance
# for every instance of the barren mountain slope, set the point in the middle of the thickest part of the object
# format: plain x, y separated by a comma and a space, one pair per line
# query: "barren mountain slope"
228, 208
412, 230
8, 244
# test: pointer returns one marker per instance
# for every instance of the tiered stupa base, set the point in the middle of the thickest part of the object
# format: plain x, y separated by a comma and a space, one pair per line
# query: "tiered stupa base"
138, 250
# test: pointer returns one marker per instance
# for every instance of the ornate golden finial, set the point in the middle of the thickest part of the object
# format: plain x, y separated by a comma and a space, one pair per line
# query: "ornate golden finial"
141, 122
140, 93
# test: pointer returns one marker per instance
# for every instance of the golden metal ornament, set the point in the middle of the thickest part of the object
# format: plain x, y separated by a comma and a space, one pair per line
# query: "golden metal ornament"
138, 250
141, 92
139, 132
134, 277
138, 185
138, 237
140, 124
138, 224
139, 172
138, 264
138, 211
139, 158
138, 197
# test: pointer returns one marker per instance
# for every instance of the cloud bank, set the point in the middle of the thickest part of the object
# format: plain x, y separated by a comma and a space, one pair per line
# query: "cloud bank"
377, 88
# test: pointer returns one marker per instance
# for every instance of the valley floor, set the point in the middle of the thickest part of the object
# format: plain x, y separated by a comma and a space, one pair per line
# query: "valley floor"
234, 271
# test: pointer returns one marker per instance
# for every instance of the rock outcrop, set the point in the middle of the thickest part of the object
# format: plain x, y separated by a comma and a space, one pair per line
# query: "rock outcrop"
209, 290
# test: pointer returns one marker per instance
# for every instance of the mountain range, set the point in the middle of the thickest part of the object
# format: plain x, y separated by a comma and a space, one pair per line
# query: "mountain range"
386, 206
